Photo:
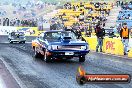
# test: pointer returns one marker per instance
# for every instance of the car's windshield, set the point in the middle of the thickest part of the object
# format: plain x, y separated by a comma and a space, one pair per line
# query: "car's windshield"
56, 36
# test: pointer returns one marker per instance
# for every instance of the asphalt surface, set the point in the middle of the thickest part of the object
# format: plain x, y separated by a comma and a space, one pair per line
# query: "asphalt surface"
6, 79
35, 73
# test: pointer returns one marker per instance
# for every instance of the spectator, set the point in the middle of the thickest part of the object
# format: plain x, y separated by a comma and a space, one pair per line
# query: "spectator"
60, 26
117, 3
122, 3
78, 33
53, 26
124, 33
3, 21
40, 25
81, 17
100, 34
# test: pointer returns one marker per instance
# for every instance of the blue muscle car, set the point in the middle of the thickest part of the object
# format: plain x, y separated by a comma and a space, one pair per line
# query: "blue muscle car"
59, 45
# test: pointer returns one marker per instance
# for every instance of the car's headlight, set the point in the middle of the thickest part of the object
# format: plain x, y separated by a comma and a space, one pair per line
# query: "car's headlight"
83, 47
49, 47
55, 47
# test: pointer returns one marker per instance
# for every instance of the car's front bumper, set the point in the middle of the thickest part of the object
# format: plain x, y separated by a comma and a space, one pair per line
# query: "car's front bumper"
15, 40
64, 53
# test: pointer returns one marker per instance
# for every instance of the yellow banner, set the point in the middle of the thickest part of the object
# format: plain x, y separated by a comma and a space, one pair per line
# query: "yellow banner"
110, 45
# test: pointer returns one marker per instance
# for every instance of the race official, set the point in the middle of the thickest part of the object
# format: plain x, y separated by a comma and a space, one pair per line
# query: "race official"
124, 34
100, 33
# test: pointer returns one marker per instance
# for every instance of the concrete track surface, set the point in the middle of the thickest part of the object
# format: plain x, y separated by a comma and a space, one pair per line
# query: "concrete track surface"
35, 73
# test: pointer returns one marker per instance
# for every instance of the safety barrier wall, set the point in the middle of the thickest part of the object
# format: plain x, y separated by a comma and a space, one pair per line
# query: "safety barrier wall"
110, 45
92, 41
29, 31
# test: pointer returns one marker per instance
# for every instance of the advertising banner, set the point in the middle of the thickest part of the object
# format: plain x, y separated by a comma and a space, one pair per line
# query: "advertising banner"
29, 31
5, 30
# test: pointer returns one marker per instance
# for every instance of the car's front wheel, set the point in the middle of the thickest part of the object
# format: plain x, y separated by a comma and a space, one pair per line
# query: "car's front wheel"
81, 58
24, 42
10, 41
47, 58
36, 54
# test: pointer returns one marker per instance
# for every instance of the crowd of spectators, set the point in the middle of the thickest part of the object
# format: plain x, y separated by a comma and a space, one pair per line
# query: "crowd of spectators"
29, 14
94, 7
32, 9
100, 6
86, 21
125, 15
126, 5
22, 23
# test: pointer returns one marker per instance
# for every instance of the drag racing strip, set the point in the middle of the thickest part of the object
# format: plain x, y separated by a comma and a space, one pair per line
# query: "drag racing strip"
38, 74
35, 73
14, 75
120, 65
114, 58
6, 78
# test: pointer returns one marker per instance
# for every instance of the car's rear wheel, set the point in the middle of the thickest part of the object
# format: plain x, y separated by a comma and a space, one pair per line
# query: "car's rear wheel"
47, 58
81, 58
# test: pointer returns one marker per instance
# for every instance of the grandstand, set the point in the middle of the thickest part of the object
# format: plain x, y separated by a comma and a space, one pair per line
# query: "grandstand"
84, 14
112, 18
24, 10
125, 15
33, 9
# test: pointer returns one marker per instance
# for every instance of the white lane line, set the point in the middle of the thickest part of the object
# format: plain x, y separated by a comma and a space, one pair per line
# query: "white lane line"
2, 83
14, 75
